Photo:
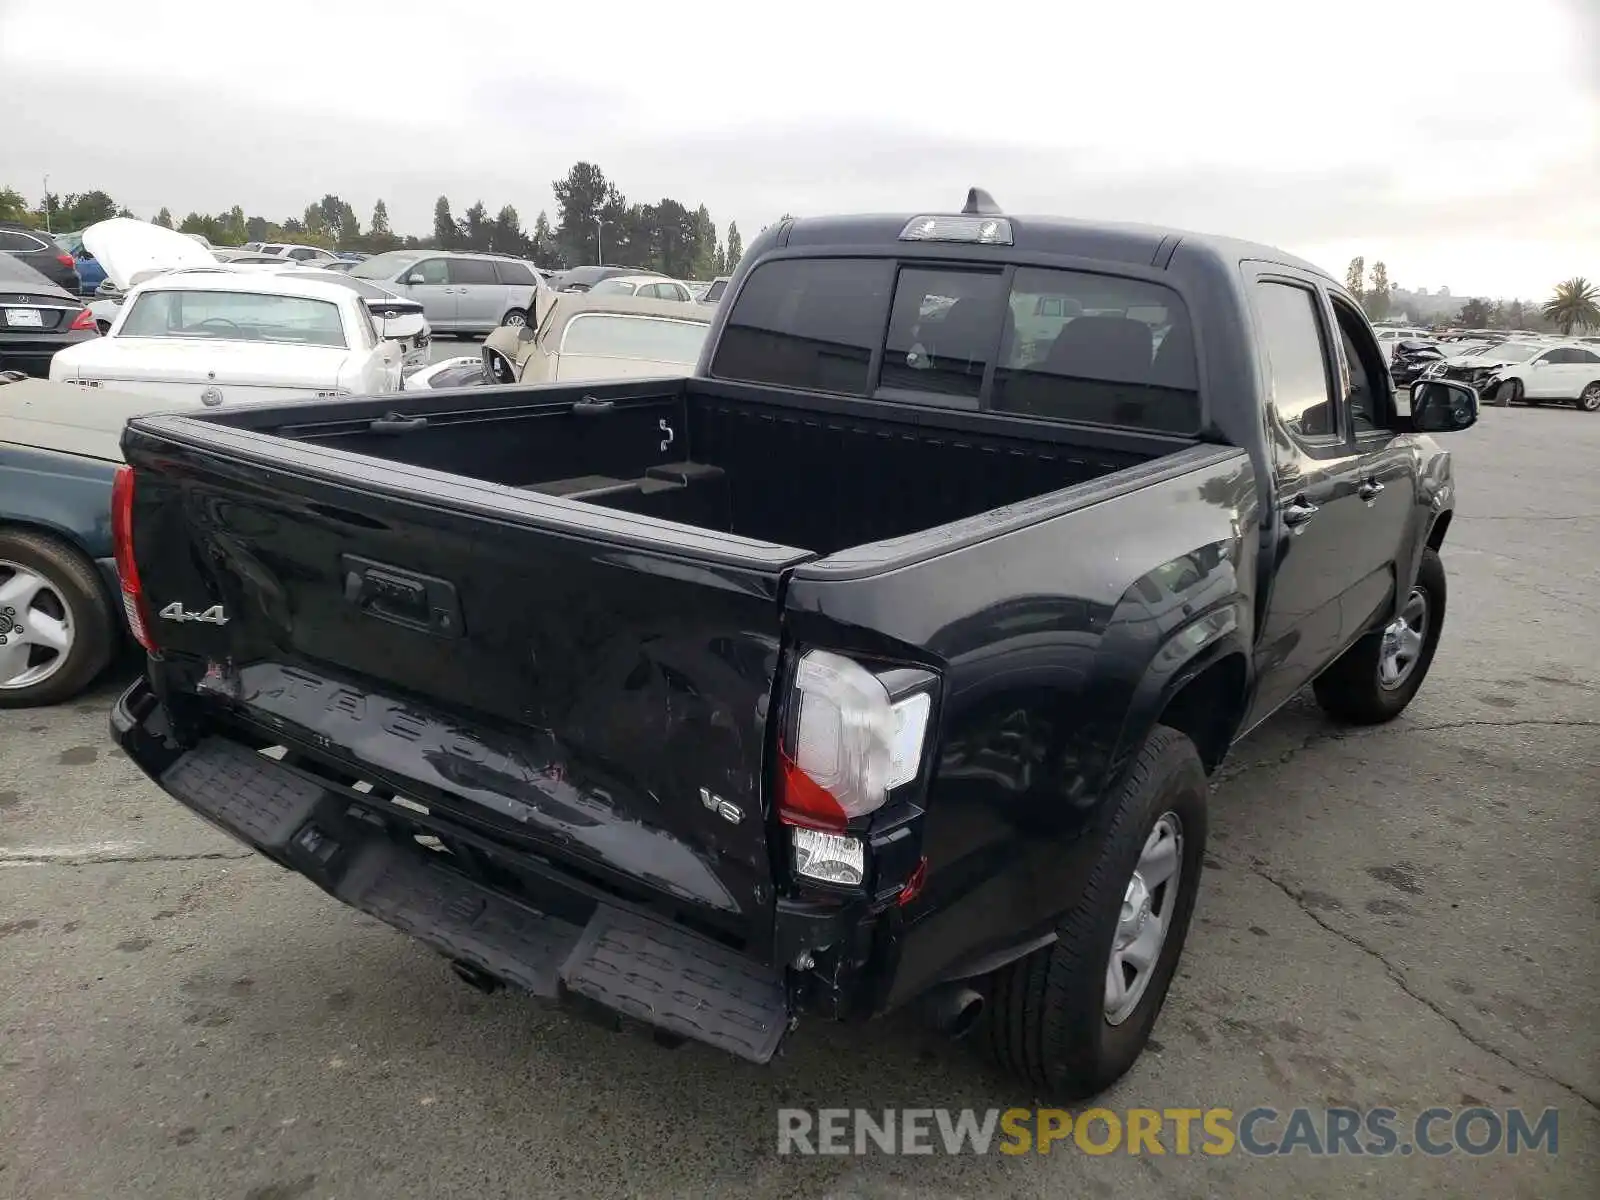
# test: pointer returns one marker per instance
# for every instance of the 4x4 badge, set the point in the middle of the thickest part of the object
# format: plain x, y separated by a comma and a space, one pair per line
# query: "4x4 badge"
211, 616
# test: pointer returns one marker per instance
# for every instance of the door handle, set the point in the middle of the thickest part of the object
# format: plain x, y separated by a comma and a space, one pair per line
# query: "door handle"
1369, 489
1298, 511
422, 602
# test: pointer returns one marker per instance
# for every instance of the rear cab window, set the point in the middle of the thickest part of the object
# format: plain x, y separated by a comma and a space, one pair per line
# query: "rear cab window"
1038, 342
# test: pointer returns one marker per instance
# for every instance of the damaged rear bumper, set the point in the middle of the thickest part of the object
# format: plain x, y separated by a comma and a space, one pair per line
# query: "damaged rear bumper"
558, 937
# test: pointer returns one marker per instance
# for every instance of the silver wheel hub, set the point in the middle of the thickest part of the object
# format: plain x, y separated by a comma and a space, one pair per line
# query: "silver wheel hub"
36, 627
1148, 902
1403, 639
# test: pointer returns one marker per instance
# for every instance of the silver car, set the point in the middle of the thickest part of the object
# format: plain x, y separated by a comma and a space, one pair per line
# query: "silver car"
459, 292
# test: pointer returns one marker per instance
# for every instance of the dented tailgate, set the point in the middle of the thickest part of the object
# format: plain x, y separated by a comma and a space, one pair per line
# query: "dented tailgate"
591, 684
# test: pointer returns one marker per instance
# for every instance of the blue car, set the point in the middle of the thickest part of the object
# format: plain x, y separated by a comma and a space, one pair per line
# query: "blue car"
59, 452
90, 273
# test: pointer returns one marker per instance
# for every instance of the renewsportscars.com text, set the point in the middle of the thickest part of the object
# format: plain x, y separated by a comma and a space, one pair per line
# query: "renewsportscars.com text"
1261, 1131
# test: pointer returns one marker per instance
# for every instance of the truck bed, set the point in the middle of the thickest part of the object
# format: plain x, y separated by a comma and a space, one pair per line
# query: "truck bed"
730, 460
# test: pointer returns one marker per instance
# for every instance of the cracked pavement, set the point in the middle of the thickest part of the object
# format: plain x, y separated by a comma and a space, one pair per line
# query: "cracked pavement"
1403, 916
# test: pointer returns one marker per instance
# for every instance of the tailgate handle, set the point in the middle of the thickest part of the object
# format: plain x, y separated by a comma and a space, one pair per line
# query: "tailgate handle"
395, 423
590, 407
422, 602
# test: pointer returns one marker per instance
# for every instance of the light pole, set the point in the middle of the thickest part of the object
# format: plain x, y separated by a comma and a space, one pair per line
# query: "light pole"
599, 252
47, 202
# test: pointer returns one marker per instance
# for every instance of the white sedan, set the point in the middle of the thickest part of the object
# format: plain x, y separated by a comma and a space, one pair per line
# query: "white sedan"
209, 338
192, 331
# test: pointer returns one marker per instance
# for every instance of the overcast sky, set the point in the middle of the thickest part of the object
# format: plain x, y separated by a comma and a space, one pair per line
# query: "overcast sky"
1459, 141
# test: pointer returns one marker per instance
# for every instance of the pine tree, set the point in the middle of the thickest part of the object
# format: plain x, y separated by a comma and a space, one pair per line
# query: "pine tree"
444, 225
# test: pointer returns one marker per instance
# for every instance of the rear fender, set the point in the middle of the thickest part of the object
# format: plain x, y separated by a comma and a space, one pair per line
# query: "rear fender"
64, 495
1203, 616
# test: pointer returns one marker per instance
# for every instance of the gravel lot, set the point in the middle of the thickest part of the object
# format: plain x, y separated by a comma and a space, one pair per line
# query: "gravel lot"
1404, 917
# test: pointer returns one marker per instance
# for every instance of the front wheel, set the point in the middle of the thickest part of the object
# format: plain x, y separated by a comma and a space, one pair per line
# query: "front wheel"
1074, 1016
1590, 400
1511, 392
1376, 678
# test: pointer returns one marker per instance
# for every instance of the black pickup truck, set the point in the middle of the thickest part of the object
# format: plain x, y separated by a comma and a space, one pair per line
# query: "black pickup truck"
883, 660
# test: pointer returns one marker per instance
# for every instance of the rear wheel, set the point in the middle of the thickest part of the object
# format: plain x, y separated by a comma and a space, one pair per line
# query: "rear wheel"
1074, 1016
1590, 400
515, 318
56, 630
1376, 678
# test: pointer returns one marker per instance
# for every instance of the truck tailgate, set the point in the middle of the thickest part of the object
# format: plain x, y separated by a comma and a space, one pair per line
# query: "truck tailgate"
589, 683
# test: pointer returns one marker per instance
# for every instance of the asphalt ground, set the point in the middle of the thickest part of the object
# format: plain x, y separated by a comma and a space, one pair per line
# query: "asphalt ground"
1402, 917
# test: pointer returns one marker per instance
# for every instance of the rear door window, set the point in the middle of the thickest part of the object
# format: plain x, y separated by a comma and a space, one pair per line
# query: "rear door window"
471, 270
514, 273
810, 323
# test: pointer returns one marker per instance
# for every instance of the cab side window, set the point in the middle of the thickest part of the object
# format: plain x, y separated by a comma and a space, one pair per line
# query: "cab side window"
1302, 393
1366, 397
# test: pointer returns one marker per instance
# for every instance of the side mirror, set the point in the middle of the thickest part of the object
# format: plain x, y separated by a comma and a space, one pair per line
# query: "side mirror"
417, 278
1440, 406
1543, 362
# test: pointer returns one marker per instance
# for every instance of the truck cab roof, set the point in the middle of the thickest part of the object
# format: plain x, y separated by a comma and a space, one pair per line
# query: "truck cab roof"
1099, 241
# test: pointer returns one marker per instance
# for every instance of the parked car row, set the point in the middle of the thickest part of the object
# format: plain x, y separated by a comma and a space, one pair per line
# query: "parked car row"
1529, 372
1504, 367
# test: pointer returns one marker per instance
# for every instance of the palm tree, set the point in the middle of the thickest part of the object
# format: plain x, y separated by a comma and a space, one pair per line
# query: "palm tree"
1576, 304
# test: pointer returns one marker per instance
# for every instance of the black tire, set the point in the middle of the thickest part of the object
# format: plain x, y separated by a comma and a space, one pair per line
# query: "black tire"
1046, 1019
1589, 400
1351, 691
75, 583
1511, 392
516, 316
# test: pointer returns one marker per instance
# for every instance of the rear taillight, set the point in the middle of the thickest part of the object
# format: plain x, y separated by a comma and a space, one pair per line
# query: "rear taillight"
847, 746
66, 260
84, 320
127, 570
